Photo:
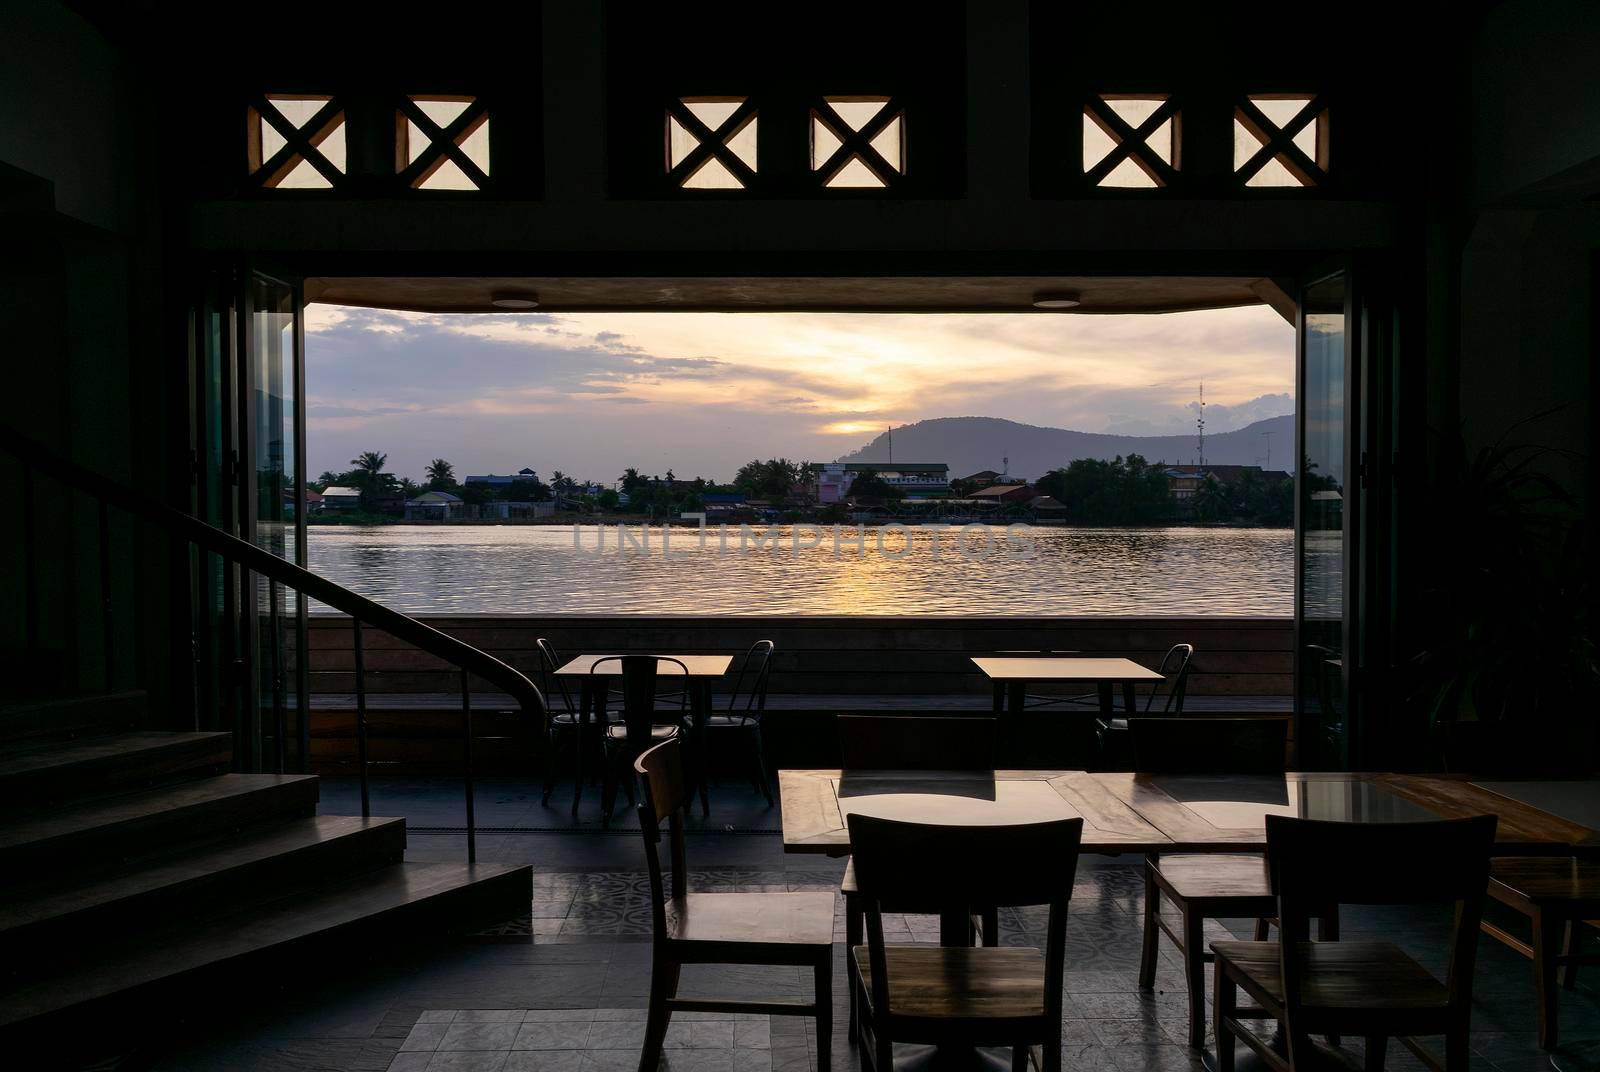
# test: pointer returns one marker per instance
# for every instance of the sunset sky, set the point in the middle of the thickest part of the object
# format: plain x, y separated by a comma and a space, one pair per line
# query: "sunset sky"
701, 393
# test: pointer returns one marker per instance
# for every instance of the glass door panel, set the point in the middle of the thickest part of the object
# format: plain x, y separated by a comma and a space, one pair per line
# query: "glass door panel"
274, 477
1321, 537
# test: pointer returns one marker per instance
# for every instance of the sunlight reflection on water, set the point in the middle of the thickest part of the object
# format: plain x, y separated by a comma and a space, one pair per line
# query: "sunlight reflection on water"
1084, 572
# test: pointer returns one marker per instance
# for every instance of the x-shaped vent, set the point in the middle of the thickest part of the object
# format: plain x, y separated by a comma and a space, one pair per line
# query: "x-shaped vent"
295, 142
442, 143
711, 143
1281, 140
858, 141
1130, 140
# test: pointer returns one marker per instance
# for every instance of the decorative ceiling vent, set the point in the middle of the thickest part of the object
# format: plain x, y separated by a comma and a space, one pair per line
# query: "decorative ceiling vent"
442, 143
1280, 139
711, 143
295, 142
1130, 140
858, 142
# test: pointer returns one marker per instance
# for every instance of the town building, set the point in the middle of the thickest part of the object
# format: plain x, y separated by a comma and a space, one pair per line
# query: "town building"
434, 506
918, 480
336, 499
495, 481
1007, 494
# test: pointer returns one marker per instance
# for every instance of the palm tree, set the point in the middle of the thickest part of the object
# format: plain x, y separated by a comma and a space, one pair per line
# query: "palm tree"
441, 473
370, 462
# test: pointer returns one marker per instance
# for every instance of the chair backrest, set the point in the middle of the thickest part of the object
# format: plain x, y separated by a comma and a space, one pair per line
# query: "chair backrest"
660, 771
1174, 670
1314, 864
549, 663
1209, 745
929, 868
639, 673
909, 742
749, 696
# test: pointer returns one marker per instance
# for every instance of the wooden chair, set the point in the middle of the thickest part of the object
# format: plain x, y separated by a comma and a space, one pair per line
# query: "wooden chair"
746, 707
894, 742
1371, 989
1558, 895
794, 929
1169, 692
1206, 886
641, 725
963, 996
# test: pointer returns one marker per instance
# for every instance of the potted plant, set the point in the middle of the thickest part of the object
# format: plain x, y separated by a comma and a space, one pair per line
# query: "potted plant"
1509, 681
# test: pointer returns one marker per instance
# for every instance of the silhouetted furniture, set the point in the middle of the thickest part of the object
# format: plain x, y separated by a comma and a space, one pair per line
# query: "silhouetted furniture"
1020, 744
566, 725
910, 743
1030, 700
1174, 671
722, 928
642, 725
746, 706
702, 672
1557, 895
1371, 989
1206, 886
963, 996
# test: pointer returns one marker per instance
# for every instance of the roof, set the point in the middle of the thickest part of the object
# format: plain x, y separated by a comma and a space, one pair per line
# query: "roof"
898, 467
997, 491
313, 496
982, 474
1046, 502
722, 497
348, 493
433, 498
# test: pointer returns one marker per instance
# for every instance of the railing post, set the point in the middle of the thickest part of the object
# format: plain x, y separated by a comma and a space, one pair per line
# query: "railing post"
108, 625
30, 570
361, 722
466, 714
280, 723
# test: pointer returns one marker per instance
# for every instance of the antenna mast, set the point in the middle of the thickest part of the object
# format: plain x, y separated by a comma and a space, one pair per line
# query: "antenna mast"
1200, 425
888, 438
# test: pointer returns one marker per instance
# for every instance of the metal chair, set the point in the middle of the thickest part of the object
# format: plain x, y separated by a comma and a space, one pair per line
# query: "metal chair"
746, 706
627, 740
1174, 671
564, 726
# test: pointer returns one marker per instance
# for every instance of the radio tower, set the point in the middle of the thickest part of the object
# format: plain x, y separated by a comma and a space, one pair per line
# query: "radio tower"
1200, 425
888, 441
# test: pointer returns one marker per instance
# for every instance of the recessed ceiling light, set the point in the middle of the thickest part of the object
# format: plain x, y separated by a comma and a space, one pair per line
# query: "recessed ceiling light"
1056, 299
514, 299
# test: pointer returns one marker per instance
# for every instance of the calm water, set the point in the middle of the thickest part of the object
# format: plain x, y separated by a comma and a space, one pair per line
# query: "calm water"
525, 569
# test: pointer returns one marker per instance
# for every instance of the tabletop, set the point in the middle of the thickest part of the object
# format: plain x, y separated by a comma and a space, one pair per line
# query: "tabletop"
1155, 812
815, 803
1223, 813
699, 665
1062, 668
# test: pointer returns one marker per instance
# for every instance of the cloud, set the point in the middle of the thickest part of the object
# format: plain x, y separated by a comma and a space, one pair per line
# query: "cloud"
703, 392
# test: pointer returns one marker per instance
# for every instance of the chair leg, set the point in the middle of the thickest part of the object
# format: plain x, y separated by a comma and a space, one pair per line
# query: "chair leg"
1019, 1058
1152, 933
852, 938
1546, 947
608, 785
1194, 968
1457, 1052
1051, 1061
577, 767
761, 763
1569, 971
552, 754
1328, 931
663, 985
1223, 1004
1377, 1047
824, 974
1263, 930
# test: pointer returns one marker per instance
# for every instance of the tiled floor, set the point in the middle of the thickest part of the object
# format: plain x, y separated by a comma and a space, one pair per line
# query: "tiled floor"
564, 988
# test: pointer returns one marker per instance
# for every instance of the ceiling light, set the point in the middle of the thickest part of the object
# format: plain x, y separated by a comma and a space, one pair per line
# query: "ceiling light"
1056, 299
514, 299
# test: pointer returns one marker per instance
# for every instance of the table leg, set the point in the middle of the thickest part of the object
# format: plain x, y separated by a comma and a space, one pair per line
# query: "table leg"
1107, 708
585, 705
1127, 698
699, 714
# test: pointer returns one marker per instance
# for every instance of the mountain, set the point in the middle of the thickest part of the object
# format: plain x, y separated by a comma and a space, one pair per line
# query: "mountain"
971, 444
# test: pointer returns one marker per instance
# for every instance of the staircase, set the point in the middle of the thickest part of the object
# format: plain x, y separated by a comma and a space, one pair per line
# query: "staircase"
136, 874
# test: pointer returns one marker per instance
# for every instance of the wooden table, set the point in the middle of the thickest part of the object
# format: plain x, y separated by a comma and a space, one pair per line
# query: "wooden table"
1226, 813
1155, 813
703, 671
1015, 672
815, 803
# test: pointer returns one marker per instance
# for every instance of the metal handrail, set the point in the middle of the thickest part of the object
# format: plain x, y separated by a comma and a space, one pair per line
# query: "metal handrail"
470, 660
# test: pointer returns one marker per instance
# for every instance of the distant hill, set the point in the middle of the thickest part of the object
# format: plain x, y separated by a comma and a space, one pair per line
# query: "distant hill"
972, 444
